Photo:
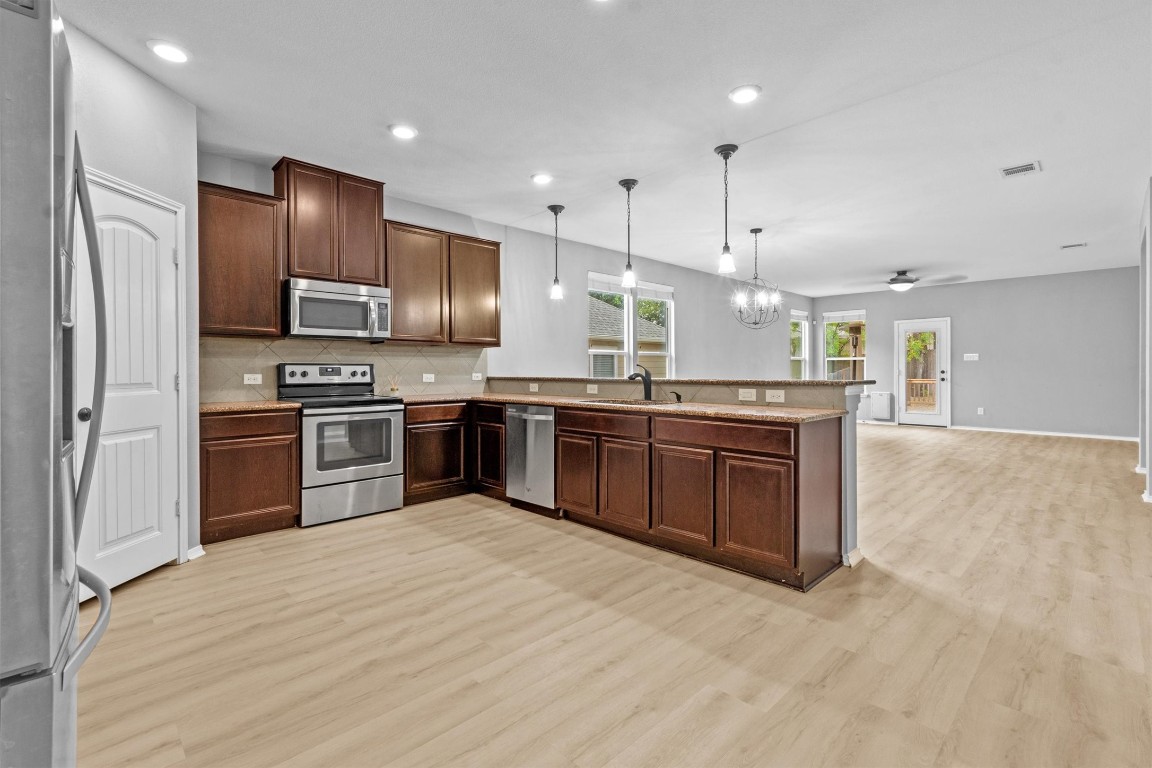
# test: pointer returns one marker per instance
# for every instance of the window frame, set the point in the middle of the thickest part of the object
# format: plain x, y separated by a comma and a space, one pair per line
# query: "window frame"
800, 316
597, 283
836, 318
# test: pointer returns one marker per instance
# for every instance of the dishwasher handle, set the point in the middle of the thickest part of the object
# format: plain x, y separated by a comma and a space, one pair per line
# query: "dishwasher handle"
529, 416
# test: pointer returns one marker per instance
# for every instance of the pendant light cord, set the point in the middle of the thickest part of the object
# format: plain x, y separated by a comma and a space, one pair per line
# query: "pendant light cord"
629, 191
556, 243
755, 255
725, 201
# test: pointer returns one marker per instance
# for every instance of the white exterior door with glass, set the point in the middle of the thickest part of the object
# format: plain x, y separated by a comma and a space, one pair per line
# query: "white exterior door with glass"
923, 365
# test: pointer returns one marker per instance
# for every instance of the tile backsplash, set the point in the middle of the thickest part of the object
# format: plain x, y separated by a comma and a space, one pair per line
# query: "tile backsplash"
224, 361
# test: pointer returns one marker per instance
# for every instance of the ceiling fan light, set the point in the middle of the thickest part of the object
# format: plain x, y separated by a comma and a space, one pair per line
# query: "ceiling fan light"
900, 287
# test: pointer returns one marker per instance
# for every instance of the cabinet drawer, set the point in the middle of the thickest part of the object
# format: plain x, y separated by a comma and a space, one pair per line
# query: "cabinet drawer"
216, 426
487, 413
617, 424
425, 414
715, 434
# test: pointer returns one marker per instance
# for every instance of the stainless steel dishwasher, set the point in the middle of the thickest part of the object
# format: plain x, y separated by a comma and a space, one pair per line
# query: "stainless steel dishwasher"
529, 454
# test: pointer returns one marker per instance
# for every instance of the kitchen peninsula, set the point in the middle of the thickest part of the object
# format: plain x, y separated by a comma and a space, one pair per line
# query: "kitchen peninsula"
766, 489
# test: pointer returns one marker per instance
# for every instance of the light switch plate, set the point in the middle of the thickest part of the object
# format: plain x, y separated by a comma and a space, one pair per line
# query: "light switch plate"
477, 377
979, 411
773, 395
971, 357
593, 389
747, 395
533, 387
429, 378
253, 378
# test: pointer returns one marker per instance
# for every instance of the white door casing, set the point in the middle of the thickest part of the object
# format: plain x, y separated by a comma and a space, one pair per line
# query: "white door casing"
132, 524
938, 414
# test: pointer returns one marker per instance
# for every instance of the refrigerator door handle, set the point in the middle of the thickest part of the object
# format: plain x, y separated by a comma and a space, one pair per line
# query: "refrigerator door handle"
86, 646
92, 445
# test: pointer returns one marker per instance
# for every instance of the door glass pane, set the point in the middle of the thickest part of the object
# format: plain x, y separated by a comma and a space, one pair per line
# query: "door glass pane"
920, 372
334, 314
343, 444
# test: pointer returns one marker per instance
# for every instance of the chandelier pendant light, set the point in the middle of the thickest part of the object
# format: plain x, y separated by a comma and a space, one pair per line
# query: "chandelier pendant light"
557, 292
727, 262
629, 278
756, 302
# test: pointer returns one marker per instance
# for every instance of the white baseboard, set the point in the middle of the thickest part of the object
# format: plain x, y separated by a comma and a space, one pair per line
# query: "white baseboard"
880, 423
853, 558
195, 552
1050, 434
1147, 499
1141, 470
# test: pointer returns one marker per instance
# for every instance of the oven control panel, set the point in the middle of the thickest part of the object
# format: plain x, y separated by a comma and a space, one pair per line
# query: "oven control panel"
311, 373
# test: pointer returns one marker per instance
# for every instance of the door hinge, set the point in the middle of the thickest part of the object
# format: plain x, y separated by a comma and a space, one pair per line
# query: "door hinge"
177, 382
177, 507
175, 255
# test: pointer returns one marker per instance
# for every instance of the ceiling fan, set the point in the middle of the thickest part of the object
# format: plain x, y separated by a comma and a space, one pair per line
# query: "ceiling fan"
904, 280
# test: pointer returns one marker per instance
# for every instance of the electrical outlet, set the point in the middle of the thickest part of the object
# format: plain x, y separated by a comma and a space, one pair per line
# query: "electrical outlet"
979, 411
253, 378
429, 378
747, 395
593, 389
773, 395
970, 357
533, 387
477, 377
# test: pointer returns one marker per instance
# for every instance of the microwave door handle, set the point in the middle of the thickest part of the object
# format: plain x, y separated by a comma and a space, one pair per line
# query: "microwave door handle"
100, 312
371, 318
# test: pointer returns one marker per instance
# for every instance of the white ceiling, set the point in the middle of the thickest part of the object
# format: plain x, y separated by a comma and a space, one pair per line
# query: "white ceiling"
875, 146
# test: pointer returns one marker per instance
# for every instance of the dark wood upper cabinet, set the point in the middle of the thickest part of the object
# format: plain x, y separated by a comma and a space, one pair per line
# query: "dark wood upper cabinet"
241, 261
624, 483
334, 223
576, 473
474, 286
755, 512
361, 231
418, 277
683, 493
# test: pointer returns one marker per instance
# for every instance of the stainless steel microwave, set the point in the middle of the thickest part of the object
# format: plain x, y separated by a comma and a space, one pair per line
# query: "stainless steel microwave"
338, 310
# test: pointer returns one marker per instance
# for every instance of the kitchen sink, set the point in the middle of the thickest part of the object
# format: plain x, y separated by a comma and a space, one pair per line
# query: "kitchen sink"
630, 401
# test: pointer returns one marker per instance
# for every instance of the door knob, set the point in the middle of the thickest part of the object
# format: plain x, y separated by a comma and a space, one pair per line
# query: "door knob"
85, 414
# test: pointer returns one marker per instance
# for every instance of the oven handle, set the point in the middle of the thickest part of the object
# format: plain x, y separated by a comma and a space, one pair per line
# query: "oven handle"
353, 413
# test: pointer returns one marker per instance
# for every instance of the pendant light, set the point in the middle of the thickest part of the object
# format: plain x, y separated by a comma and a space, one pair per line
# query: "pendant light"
756, 302
727, 263
557, 291
629, 278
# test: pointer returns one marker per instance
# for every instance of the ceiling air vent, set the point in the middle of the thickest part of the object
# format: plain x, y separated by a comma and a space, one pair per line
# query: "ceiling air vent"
1020, 170
1073, 245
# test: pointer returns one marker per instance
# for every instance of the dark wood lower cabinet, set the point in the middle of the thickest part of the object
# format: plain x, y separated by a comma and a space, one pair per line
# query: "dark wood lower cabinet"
682, 500
576, 480
249, 474
490, 456
755, 515
624, 482
434, 461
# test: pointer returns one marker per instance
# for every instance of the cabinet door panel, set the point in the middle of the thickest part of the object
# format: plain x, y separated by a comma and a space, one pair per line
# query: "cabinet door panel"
434, 456
576, 473
754, 508
313, 221
361, 231
248, 485
624, 482
682, 501
490, 455
241, 258
475, 291
418, 277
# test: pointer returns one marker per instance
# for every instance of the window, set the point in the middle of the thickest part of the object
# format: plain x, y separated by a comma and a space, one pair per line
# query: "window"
844, 345
799, 344
628, 326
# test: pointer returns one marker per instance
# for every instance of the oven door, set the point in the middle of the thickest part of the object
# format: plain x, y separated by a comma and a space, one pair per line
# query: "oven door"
346, 444
318, 313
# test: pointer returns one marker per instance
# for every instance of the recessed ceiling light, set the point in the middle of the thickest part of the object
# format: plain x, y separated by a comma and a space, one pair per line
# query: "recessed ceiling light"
403, 131
542, 178
744, 94
167, 51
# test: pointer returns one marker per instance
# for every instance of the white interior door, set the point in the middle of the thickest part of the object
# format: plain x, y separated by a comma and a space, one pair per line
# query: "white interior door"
923, 366
131, 523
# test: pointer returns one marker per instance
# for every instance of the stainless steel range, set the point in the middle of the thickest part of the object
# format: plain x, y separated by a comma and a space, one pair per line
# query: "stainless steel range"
353, 441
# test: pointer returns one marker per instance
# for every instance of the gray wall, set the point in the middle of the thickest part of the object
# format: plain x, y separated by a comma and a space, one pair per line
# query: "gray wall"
542, 337
1058, 353
135, 129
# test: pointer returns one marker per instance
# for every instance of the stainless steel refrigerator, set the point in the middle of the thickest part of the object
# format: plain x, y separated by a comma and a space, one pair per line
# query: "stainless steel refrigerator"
43, 198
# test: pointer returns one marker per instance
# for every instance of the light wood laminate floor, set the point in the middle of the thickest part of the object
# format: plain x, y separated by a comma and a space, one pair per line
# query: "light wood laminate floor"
1003, 617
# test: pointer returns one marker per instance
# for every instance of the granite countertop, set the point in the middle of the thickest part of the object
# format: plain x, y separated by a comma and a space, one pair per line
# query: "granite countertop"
251, 405
776, 413
702, 382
